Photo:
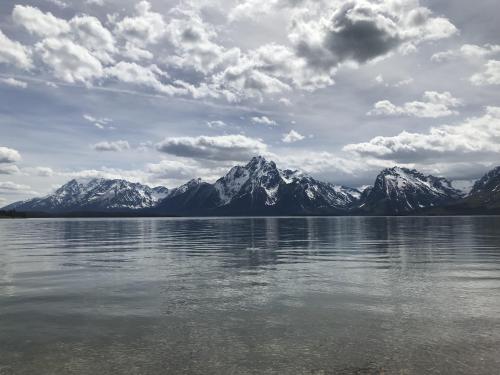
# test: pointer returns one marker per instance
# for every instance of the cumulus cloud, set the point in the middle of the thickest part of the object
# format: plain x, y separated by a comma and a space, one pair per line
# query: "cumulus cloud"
14, 53
490, 76
147, 76
471, 51
14, 82
292, 137
474, 138
9, 155
433, 105
9, 169
114, 146
68, 61
88, 32
145, 27
38, 22
221, 148
193, 42
263, 120
321, 37
364, 30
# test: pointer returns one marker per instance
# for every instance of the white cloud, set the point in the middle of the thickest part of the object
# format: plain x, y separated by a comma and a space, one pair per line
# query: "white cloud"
263, 120
321, 37
285, 101
136, 53
100, 123
150, 76
38, 22
216, 124
433, 105
292, 137
363, 30
95, 2
146, 27
404, 82
251, 9
114, 146
470, 51
222, 148
14, 53
59, 3
490, 76
44, 171
9, 187
9, 169
474, 138
176, 172
9, 155
192, 39
69, 62
88, 32
14, 82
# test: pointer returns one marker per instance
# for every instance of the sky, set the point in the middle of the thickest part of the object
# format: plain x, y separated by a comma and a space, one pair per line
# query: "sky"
163, 91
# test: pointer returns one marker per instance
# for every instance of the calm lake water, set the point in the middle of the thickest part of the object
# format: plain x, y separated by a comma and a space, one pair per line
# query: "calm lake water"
250, 296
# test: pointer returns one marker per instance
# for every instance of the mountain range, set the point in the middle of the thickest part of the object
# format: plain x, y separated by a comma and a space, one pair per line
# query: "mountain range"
261, 188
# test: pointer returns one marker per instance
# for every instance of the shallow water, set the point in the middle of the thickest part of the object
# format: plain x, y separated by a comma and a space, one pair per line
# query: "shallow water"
250, 296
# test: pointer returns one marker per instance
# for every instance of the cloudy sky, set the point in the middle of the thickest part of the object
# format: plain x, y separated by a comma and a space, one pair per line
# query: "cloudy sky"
162, 91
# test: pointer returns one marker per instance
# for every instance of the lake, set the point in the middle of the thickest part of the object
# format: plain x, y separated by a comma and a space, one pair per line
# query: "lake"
345, 295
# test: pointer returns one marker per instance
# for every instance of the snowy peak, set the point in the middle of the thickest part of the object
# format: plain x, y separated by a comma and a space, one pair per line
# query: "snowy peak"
97, 194
401, 190
261, 182
258, 162
258, 177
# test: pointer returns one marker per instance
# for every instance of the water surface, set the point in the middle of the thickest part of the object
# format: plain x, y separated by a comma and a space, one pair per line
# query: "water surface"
250, 296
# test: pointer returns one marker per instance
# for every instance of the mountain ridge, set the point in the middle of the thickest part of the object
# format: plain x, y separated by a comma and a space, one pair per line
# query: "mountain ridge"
261, 188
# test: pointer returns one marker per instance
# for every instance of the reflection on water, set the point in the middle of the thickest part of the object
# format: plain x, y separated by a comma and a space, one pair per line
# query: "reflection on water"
250, 296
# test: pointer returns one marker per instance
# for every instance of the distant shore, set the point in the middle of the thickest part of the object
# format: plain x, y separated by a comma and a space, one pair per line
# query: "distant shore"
12, 214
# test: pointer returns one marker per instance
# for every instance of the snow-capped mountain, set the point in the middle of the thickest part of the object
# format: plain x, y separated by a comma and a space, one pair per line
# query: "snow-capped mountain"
401, 190
260, 187
95, 194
